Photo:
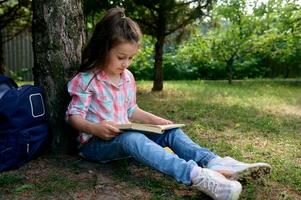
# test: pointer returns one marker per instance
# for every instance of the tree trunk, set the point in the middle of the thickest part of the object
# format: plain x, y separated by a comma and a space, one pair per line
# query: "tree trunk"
229, 70
160, 37
1, 55
58, 39
158, 76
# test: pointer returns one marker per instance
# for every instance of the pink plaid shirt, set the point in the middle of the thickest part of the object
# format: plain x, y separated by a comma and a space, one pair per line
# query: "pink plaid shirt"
95, 98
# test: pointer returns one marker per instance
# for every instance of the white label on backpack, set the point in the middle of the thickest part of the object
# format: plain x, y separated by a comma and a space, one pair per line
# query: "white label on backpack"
31, 99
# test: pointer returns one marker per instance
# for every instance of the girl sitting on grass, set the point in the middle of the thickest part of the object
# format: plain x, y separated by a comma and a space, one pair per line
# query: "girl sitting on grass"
104, 95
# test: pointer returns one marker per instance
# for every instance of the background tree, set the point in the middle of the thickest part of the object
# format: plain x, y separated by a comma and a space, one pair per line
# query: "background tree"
162, 18
94, 10
279, 44
157, 19
15, 17
229, 41
58, 39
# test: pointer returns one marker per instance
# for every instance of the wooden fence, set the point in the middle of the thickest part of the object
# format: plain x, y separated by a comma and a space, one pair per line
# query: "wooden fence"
18, 57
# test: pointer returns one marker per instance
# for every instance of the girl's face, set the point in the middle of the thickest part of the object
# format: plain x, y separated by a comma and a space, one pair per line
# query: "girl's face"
120, 58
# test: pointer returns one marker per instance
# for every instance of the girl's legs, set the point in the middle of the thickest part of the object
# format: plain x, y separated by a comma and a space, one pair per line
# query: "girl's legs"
142, 149
146, 151
183, 146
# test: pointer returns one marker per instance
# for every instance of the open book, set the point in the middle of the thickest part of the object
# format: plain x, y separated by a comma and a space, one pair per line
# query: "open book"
148, 127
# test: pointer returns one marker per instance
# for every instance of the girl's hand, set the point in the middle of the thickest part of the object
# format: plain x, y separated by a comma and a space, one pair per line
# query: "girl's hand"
148, 118
161, 121
106, 130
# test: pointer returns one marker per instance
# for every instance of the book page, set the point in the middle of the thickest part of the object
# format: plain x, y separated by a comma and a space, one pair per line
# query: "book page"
148, 127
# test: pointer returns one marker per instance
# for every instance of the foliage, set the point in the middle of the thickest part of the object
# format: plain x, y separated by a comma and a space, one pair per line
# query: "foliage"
94, 10
157, 19
279, 45
143, 64
245, 41
15, 16
229, 40
262, 39
19, 74
162, 18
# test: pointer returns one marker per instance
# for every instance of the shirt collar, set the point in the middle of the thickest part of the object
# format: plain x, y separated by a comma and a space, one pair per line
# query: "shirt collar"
102, 76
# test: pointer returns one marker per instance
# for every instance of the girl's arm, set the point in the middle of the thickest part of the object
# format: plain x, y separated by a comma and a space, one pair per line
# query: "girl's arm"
148, 118
105, 130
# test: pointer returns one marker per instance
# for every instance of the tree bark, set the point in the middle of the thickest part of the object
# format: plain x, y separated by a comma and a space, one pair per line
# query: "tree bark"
58, 39
158, 76
1, 55
160, 37
230, 70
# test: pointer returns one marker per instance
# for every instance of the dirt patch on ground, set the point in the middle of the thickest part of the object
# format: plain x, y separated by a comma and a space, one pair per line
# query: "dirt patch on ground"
70, 177
291, 110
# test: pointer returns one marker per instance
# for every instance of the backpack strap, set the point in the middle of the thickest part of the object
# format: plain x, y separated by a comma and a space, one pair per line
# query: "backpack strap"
6, 84
8, 81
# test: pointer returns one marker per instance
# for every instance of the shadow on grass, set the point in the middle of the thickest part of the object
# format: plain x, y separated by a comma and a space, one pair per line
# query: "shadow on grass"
156, 184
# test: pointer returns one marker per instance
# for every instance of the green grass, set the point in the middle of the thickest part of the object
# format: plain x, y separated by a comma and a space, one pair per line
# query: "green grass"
253, 120
57, 180
249, 120
9, 179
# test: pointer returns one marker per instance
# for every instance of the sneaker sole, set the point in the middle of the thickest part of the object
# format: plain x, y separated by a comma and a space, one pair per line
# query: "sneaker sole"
252, 173
235, 195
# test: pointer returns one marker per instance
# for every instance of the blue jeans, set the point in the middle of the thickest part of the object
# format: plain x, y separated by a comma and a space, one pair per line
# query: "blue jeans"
147, 149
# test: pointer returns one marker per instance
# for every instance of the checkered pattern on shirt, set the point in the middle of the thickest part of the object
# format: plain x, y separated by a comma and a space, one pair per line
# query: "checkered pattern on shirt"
95, 98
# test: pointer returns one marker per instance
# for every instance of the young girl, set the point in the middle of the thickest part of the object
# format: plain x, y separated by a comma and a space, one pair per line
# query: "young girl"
104, 95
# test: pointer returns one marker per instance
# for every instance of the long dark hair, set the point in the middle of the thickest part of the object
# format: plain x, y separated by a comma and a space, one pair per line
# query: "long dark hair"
113, 29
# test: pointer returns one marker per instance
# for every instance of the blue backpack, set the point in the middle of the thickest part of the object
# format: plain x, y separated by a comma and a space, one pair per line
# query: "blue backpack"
23, 123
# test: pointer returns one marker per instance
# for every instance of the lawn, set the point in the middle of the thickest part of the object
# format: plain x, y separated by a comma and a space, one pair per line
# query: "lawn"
250, 120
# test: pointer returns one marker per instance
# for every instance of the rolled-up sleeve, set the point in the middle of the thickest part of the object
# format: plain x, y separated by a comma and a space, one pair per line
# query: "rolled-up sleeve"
132, 106
131, 110
81, 97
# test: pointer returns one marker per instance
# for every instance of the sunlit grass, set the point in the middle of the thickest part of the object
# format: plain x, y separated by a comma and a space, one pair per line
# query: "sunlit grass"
249, 120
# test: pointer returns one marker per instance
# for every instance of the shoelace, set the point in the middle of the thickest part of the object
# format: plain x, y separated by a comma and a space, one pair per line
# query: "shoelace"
210, 185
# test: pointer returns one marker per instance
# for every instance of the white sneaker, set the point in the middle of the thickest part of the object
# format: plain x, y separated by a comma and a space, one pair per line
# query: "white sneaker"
216, 185
236, 170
